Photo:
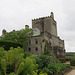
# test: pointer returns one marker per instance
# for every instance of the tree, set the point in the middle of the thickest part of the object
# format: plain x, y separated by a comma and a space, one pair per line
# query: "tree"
1, 52
3, 65
14, 63
19, 36
30, 66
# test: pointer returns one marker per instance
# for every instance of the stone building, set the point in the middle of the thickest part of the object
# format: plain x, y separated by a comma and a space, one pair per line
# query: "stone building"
3, 33
45, 37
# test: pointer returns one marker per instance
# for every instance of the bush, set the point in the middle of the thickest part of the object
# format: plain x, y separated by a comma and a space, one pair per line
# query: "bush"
14, 63
47, 52
68, 59
42, 60
43, 74
7, 44
26, 54
72, 62
62, 60
55, 68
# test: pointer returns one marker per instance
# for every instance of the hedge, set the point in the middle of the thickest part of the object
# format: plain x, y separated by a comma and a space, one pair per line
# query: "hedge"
7, 44
72, 62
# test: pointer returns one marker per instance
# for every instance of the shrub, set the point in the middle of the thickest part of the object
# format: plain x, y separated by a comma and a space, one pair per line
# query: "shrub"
43, 74
62, 60
72, 62
55, 68
42, 60
14, 63
26, 54
7, 44
47, 52
68, 59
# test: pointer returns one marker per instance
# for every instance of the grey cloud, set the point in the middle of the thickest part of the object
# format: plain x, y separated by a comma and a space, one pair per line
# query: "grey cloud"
14, 14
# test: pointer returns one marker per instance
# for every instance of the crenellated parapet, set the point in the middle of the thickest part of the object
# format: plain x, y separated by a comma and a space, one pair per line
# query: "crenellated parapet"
51, 16
41, 18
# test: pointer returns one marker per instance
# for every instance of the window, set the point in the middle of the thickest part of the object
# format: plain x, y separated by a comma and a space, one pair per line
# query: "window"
36, 41
43, 40
29, 41
29, 49
36, 49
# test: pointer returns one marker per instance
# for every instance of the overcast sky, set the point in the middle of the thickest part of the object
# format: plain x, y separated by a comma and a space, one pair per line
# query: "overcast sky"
15, 14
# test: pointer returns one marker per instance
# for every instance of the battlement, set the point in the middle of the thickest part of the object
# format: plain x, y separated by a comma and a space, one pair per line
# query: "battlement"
40, 18
51, 16
46, 24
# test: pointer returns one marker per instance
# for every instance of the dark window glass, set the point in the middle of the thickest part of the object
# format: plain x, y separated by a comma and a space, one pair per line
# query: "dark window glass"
29, 41
36, 49
29, 49
43, 40
36, 41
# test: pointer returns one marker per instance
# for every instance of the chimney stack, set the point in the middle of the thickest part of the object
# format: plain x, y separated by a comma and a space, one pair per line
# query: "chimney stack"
26, 26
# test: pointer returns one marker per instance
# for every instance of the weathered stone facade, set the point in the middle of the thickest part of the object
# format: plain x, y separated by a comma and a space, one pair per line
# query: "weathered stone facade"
45, 35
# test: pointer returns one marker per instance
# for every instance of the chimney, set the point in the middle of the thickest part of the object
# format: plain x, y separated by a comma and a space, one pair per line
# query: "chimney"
52, 15
3, 32
26, 26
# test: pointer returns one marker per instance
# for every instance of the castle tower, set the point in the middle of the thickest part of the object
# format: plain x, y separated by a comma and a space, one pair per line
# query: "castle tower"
46, 24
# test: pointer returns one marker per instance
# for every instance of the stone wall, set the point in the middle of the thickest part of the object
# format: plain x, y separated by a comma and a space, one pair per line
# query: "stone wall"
35, 45
45, 32
45, 24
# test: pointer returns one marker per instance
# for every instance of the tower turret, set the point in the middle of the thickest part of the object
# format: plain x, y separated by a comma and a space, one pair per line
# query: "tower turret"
3, 32
52, 15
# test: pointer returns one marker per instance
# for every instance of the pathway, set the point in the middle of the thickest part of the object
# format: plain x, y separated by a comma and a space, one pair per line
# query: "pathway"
68, 62
71, 73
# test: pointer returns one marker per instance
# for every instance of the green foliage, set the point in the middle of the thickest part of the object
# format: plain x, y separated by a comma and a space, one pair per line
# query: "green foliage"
43, 74
55, 68
42, 60
63, 60
72, 62
30, 66
74, 55
17, 62
13, 62
12, 74
20, 68
26, 54
7, 44
20, 36
1, 52
70, 54
47, 52
3, 65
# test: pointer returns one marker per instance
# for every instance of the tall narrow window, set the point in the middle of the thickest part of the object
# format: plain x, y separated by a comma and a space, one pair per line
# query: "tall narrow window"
36, 41
29, 49
36, 49
29, 41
